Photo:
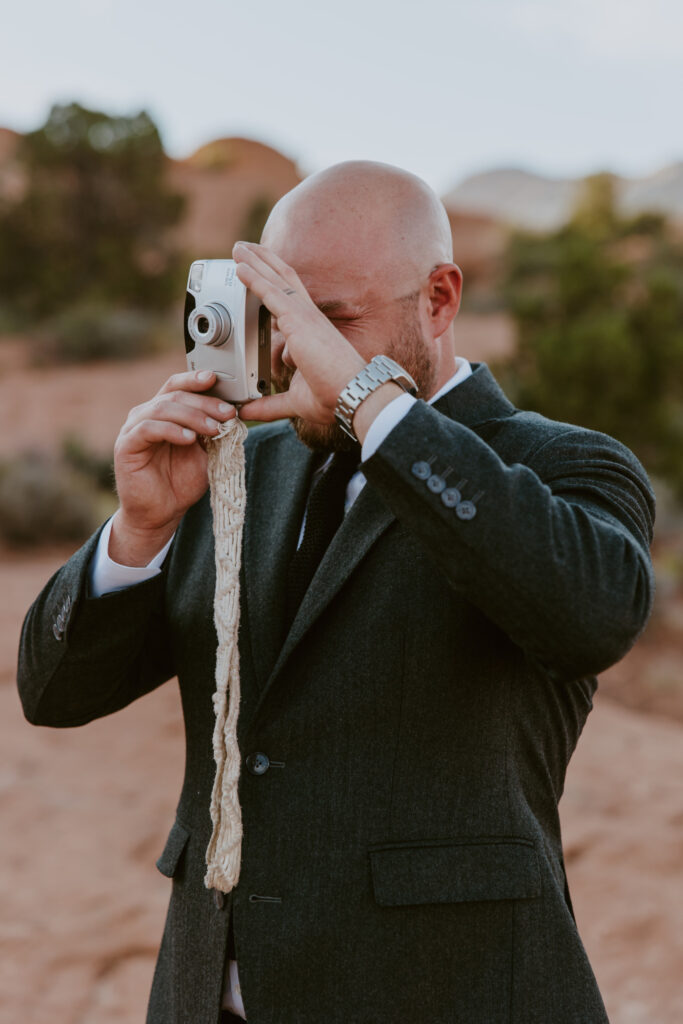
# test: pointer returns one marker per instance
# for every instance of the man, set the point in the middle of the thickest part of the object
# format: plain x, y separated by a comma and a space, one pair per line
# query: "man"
406, 727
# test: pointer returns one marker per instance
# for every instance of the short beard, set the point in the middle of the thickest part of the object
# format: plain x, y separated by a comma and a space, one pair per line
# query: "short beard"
408, 349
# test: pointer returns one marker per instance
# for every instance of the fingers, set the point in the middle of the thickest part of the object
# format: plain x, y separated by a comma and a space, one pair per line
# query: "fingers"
201, 380
268, 264
269, 277
271, 295
177, 410
154, 432
201, 413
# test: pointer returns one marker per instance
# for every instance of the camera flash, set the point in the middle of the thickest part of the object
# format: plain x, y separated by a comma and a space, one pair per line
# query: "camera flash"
196, 273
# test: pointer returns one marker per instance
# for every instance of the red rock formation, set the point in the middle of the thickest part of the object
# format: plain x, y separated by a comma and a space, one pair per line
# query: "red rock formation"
227, 183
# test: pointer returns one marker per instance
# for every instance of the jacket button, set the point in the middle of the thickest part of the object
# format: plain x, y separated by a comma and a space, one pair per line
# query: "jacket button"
436, 484
422, 470
451, 497
466, 510
258, 763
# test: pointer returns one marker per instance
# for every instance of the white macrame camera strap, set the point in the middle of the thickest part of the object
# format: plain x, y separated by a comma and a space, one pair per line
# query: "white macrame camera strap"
228, 499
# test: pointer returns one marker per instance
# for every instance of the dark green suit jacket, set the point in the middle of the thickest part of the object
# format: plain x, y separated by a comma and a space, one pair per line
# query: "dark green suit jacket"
402, 856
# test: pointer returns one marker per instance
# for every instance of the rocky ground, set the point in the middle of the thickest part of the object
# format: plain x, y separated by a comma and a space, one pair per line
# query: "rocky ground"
85, 812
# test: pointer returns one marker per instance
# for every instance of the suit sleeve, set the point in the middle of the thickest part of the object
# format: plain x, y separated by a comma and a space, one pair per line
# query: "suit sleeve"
81, 658
557, 551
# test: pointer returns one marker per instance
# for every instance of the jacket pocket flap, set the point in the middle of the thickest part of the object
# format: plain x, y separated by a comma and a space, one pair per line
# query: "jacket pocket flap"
175, 844
455, 872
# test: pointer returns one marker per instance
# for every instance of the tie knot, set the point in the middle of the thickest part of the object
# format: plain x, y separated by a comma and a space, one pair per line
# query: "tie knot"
344, 462
326, 500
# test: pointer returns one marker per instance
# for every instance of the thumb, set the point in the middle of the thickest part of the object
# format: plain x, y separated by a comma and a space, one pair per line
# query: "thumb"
268, 408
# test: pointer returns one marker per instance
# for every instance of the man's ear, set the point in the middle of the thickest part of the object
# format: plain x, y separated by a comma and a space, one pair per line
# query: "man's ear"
445, 290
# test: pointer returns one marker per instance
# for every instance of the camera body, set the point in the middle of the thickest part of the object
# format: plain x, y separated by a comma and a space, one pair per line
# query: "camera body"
227, 330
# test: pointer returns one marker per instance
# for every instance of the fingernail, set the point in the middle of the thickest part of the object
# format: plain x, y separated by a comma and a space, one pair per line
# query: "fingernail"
205, 375
187, 432
211, 424
224, 407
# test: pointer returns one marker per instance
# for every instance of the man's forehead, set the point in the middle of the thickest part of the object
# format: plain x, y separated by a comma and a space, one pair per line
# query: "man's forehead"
345, 278
338, 278
341, 290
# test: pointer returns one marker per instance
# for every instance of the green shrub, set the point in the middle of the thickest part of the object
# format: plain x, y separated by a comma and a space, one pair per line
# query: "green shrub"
598, 307
44, 501
98, 469
90, 332
94, 216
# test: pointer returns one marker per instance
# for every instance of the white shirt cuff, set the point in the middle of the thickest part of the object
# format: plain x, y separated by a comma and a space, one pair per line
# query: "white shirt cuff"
384, 423
393, 413
105, 576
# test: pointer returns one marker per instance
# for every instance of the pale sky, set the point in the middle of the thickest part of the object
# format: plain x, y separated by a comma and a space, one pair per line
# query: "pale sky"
442, 88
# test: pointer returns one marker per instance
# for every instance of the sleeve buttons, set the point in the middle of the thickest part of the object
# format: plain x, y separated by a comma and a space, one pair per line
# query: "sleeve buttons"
466, 510
436, 484
451, 497
422, 470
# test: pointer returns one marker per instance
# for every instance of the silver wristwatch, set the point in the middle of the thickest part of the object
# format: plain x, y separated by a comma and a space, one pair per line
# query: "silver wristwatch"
377, 372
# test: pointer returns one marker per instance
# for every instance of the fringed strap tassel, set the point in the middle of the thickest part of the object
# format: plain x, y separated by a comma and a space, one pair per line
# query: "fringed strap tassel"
226, 481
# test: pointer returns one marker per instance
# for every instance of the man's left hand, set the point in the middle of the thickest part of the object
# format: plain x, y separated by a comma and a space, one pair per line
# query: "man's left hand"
325, 360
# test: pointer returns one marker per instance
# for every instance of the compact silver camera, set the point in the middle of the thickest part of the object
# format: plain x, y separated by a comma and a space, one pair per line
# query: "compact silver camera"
227, 330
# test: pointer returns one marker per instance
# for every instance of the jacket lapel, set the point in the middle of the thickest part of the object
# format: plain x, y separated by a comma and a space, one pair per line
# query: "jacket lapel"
275, 520
365, 521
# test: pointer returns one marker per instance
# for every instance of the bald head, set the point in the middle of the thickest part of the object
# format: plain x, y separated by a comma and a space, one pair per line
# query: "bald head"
364, 221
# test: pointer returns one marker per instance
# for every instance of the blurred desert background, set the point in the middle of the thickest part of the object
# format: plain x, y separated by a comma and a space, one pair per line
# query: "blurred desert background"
574, 296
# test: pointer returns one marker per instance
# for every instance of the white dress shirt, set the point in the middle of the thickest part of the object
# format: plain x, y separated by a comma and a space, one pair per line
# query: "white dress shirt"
106, 576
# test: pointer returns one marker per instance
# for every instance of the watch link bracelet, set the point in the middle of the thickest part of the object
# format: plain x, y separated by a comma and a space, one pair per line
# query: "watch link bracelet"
375, 373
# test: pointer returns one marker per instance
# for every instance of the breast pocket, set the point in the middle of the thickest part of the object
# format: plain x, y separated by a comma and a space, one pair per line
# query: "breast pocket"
455, 871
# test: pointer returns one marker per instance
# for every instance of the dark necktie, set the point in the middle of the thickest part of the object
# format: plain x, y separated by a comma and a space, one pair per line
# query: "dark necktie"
324, 514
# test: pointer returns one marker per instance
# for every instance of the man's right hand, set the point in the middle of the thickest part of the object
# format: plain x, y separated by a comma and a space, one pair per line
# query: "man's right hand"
160, 465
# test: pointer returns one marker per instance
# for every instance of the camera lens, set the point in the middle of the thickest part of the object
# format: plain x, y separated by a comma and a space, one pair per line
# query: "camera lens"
210, 324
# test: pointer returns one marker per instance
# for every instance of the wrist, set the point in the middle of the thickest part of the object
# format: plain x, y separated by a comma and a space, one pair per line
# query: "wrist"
135, 546
370, 408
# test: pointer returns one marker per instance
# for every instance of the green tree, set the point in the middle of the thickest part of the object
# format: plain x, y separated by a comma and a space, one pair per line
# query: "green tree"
92, 222
598, 306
